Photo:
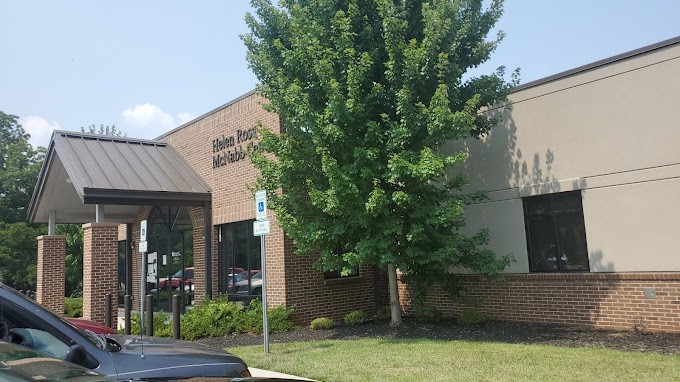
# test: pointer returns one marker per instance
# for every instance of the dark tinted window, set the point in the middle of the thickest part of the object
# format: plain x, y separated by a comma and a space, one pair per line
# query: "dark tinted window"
556, 233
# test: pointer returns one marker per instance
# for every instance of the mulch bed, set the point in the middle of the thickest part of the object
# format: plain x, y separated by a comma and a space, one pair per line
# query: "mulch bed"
493, 331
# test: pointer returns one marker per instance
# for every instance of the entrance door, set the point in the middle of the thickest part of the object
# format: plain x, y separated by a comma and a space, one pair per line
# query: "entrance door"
171, 239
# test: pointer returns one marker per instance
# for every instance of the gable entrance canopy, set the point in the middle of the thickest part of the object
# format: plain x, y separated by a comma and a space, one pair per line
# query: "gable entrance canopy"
90, 178
84, 170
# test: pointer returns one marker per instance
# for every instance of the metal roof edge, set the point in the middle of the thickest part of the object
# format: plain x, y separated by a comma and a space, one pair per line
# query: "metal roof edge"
112, 138
137, 197
215, 110
600, 63
40, 182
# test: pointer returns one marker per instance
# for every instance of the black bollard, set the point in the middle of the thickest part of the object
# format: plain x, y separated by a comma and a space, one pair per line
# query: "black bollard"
128, 311
149, 316
175, 316
107, 310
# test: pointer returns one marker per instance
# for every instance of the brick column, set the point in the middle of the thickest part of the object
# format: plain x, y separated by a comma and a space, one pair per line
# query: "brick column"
51, 283
100, 268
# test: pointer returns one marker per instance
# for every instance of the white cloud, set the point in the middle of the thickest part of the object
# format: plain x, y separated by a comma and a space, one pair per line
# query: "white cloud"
149, 121
39, 128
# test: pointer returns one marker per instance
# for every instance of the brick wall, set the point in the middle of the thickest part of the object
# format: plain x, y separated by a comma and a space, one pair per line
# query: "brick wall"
314, 296
291, 279
619, 301
51, 282
231, 183
100, 268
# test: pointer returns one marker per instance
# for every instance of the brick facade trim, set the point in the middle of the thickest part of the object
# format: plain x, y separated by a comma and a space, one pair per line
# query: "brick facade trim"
618, 301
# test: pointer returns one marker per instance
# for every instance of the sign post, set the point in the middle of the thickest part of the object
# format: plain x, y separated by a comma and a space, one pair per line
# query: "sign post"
261, 228
142, 250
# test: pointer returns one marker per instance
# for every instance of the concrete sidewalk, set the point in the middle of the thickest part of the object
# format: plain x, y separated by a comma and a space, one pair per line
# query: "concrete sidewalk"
272, 374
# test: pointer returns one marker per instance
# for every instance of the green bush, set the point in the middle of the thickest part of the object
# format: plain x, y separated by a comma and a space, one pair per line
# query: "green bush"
383, 314
162, 324
355, 317
211, 318
322, 323
73, 307
220, 317
278, 318
472, 317
428, 315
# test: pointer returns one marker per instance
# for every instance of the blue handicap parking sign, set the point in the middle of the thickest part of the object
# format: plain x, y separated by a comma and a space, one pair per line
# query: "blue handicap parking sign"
260, 206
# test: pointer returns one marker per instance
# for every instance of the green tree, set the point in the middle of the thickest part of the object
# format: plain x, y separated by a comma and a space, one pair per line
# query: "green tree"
368, 92
74, 258
103, 130
19, 168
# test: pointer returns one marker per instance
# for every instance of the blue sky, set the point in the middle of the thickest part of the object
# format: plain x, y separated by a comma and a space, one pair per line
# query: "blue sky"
149, 66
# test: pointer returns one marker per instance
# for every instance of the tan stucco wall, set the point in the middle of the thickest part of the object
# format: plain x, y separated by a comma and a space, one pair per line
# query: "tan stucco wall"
612, 132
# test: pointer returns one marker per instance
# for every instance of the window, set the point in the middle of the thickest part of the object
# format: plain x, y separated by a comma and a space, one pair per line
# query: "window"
556, 233
239, 260
337, 273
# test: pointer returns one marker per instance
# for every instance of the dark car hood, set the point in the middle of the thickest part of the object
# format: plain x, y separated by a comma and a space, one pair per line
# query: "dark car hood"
153, 357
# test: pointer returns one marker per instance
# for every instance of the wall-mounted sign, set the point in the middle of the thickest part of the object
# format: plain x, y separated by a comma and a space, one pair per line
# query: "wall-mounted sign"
230, 149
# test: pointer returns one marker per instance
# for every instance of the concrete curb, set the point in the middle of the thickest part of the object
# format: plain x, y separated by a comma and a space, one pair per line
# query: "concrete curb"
272, 374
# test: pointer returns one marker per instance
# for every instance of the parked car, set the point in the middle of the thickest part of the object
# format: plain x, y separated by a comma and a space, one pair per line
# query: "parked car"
117, 356
233, 279
92, 326
175, 281
19, 364
251, 286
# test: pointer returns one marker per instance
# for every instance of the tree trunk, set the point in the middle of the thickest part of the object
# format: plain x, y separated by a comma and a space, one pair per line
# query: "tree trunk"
395, 307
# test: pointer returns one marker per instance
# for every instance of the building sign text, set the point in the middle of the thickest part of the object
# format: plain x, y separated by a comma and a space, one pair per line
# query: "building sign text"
230, 149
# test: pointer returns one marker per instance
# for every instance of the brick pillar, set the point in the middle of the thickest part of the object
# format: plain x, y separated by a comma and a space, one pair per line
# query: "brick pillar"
51, 283
100, 268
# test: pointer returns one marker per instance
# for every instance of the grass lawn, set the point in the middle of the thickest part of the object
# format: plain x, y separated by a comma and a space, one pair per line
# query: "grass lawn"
433, 360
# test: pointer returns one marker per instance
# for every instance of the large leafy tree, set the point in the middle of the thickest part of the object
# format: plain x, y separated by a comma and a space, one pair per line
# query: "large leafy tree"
368, 92
19, 167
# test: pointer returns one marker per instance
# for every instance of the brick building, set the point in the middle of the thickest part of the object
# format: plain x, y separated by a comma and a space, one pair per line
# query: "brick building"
581, 176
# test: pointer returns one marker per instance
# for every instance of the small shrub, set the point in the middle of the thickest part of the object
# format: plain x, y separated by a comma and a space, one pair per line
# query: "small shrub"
162, 324
211, 318
472, 317
383, 314
322, 323
428, 315
73, 307
355, 317
640, 325
279, 319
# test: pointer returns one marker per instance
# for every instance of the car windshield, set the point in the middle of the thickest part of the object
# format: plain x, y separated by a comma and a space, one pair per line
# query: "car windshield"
96, 339
17, 320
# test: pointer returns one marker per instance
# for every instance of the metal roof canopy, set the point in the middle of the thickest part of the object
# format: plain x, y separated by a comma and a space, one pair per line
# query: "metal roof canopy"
82, 170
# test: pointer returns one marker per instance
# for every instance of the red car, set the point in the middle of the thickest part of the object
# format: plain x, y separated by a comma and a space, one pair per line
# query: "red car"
92, 326
176, 279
